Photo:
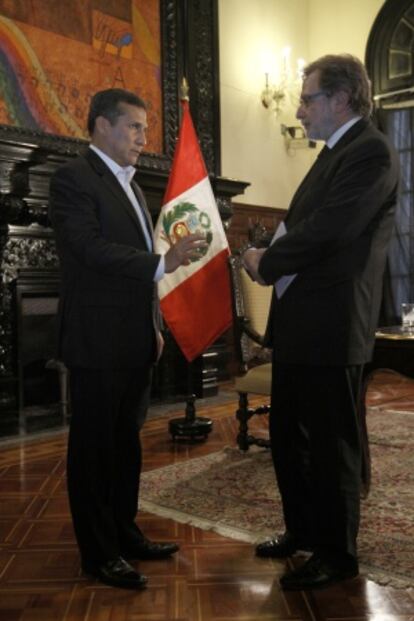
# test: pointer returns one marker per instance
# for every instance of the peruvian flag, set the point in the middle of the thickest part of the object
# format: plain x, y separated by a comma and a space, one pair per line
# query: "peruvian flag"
195, 299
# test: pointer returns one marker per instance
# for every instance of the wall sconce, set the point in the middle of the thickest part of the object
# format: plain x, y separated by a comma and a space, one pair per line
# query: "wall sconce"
286, 86
275, 94
295, 138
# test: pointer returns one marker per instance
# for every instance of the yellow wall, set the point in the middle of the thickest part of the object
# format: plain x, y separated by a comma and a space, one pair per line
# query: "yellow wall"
337, 26
251, 33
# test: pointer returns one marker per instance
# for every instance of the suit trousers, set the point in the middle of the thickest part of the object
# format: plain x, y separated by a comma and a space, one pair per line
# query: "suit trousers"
316, 451
104, 458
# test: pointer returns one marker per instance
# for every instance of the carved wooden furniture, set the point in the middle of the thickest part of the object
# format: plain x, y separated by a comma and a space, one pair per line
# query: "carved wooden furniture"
251, 307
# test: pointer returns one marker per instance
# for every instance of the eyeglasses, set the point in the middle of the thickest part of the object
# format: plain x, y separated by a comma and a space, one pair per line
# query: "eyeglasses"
306, 100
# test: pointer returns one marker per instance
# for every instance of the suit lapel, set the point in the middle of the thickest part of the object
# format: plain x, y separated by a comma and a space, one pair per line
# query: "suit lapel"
315, 170
113, 185
143, 204
322, 160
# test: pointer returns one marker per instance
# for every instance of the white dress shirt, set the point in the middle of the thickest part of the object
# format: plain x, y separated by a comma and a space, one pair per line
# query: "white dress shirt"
124, 175
337, 135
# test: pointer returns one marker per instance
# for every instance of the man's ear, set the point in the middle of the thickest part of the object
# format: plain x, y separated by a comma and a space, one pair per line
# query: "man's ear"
341, 100
101, 125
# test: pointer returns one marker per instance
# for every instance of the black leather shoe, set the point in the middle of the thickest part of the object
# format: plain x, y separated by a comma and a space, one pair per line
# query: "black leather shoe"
117, 573
281, 547
317, 573
146, 550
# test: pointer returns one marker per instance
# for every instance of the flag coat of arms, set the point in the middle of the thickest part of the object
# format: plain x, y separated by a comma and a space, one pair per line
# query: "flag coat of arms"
195, 299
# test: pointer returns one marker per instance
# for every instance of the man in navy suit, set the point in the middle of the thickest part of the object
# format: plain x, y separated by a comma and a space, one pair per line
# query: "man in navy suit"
109, 334
323, 319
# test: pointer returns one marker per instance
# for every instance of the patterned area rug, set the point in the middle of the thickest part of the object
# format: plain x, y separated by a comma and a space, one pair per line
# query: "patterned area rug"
234, 494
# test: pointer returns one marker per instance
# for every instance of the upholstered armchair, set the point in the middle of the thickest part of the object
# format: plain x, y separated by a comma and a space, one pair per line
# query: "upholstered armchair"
251, 304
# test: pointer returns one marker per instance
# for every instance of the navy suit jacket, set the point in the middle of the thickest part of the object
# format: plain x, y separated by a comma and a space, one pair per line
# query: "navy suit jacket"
338, 229
108, 308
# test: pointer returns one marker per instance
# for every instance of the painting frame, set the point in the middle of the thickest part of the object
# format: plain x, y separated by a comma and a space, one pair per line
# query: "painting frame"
182, 54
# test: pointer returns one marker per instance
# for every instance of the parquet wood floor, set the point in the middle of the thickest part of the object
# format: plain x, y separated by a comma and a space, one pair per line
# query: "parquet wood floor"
211, 579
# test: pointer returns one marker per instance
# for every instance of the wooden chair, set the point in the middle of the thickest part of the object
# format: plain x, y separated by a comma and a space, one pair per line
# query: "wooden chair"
251, 304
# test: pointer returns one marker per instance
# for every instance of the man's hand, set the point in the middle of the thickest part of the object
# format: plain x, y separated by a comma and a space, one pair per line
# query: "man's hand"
182, 251
250, 260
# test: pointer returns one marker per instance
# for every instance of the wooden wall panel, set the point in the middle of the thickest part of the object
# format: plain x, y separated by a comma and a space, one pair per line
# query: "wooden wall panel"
246, 217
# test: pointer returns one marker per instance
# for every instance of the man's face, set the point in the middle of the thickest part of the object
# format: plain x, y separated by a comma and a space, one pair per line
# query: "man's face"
125, 140
316, 110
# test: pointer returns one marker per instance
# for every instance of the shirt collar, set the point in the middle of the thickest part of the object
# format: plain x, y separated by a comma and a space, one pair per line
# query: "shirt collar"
337, 135
124, 173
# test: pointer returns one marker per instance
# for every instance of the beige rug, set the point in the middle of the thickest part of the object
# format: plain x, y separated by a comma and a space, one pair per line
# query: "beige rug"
235, 495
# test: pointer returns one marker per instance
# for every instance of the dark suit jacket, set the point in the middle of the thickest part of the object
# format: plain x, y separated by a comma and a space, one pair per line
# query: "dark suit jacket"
108, 304
339, 225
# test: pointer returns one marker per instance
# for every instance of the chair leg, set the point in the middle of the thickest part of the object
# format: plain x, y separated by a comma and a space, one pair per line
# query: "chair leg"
64, 391
62, 371
243, 415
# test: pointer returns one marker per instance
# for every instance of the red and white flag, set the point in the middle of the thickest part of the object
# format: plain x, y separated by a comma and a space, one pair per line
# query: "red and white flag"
195, 299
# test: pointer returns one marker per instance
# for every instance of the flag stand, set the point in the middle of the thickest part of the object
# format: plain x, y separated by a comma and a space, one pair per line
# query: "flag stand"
191, 426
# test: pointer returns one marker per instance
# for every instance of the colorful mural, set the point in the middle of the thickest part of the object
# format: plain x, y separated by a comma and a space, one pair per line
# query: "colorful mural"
51, 64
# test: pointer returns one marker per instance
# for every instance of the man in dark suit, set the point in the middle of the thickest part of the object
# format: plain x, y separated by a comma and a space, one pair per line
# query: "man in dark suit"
109, 335
323, 319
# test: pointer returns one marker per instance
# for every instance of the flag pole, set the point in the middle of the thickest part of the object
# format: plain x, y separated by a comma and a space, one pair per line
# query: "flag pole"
184, 90
191, 426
